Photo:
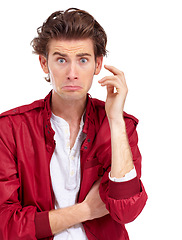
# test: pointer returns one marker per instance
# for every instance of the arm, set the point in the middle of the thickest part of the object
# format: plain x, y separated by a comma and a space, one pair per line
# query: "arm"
20, 222
14, 220
124, 200
64, 218
121, 162
92, 207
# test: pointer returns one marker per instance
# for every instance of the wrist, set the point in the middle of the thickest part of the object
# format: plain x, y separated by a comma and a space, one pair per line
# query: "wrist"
85, 210
63, 218
117, 128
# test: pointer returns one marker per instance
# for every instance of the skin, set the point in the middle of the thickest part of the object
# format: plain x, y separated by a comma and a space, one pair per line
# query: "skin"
121, 162
72, 66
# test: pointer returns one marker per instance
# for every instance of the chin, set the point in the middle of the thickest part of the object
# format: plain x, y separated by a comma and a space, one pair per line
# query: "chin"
73, 96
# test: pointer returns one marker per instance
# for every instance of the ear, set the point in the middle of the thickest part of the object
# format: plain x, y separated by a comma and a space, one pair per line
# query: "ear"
99, 61
44, 64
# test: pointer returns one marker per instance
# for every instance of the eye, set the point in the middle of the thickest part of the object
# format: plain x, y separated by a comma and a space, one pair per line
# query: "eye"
83, 60
61, 60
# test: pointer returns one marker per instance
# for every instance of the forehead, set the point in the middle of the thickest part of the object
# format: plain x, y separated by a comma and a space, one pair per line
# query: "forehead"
71, 47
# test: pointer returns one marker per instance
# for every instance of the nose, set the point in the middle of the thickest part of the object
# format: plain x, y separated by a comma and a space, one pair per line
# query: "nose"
72, 72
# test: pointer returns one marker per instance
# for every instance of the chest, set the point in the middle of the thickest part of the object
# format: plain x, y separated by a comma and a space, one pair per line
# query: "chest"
65, 168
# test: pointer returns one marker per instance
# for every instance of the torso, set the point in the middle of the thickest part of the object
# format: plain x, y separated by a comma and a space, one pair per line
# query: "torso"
74, 129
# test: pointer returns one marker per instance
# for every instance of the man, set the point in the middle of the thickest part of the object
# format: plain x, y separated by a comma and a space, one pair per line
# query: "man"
70, 166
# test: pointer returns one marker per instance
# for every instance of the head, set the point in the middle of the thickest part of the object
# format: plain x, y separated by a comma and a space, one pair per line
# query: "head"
63, 38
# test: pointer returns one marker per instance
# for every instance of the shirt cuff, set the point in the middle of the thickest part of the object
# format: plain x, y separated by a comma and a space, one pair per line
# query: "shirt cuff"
129, 176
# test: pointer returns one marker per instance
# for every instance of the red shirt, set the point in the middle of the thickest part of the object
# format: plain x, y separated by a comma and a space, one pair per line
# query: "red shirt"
26, 195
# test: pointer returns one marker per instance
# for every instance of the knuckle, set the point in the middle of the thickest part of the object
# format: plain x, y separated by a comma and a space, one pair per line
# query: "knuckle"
122, 74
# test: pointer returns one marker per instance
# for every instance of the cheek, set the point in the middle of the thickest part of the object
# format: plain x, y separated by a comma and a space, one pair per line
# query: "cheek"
55, 74
86, 77
89, 71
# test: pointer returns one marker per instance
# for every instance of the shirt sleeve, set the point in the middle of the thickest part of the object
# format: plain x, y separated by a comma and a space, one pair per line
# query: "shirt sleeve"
129, 176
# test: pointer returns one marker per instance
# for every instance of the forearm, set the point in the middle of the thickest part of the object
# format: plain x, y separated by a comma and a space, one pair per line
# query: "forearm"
121, 162
92, 207
64, 218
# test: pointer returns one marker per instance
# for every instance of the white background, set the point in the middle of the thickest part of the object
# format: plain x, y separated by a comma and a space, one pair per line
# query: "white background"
144, 41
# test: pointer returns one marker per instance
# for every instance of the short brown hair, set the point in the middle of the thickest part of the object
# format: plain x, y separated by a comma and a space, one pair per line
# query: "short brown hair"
70, 24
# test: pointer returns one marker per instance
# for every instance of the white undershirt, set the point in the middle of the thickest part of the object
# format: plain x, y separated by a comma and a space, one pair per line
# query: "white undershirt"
66, 173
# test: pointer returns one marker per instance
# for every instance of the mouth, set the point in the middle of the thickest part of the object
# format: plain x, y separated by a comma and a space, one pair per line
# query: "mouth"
72, 88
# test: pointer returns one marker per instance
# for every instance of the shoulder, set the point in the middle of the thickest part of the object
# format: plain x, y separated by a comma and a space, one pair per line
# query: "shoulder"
23, 109
10, 121
99, 105
16, 115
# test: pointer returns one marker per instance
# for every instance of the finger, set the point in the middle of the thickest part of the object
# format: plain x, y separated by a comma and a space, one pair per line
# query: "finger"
113, 78
112, 83
110, 89
114, 70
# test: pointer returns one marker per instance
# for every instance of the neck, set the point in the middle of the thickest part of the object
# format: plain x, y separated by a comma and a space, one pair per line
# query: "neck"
69, 110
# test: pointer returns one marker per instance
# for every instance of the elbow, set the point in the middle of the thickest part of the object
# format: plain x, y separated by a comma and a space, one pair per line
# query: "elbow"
127, 210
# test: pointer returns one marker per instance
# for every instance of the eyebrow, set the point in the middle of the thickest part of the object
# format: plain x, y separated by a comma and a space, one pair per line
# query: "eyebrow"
65, 55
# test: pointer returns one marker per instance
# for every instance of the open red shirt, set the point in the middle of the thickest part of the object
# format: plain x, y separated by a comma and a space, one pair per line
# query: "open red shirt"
26, 195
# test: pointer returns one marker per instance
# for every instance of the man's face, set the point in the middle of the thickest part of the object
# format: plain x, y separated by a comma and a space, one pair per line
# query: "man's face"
71, 65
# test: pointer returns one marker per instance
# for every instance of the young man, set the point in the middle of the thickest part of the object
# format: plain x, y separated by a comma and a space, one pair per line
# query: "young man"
70, 166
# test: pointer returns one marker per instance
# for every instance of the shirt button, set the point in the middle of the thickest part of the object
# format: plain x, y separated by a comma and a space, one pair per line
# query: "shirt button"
72, 157
72, 173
